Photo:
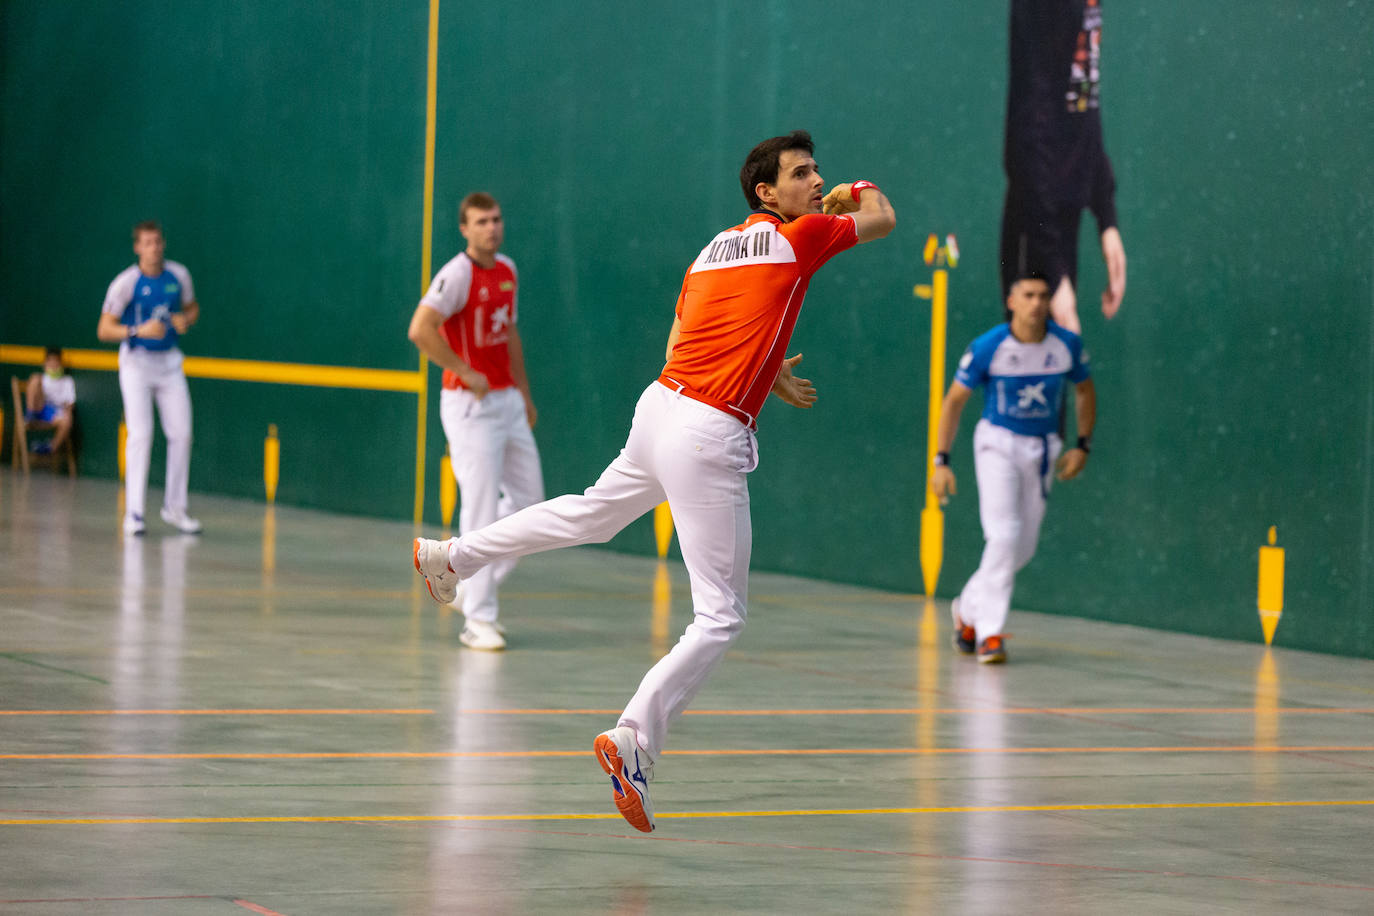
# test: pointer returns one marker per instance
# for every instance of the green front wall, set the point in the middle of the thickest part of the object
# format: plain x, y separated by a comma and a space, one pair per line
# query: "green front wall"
282, 146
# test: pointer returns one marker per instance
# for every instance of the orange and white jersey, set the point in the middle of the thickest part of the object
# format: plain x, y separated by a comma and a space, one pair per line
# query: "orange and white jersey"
479, 305
739, 304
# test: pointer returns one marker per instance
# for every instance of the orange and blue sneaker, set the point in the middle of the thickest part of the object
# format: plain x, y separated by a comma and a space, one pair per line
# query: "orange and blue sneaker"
992, 651
630, 769
431, 561
965, 638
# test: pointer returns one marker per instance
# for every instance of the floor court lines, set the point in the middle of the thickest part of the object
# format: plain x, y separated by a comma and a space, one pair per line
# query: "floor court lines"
200, 728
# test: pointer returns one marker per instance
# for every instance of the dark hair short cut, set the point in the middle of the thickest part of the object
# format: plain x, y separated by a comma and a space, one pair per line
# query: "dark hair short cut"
1020, 276
761, 165
1028, 275
52, 351
148, 225
477, 200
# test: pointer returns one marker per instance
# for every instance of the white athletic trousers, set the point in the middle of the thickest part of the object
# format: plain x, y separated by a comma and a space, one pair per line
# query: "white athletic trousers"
1014, 475
697, 457
497, 466
145, 375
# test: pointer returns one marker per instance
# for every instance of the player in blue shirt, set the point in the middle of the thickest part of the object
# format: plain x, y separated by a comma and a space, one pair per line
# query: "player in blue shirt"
1022, 365
148, 306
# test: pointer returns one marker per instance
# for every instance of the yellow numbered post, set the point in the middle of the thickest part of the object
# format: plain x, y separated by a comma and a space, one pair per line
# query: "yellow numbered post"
123, 441
1270, 586
663, 528
271, 462
448, 489
937, 291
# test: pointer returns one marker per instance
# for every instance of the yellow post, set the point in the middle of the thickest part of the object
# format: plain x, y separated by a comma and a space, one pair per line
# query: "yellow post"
1270, 586
271, 462
663, 528
269, 560
123, 440
662, 610
932, 516
426, 247
448, 489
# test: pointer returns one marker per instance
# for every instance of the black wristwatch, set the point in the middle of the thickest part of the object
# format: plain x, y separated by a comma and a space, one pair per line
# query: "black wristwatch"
1086, 443
942, 459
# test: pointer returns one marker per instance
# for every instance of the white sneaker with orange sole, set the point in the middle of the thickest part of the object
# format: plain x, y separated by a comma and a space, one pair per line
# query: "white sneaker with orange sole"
630, 769
431, 561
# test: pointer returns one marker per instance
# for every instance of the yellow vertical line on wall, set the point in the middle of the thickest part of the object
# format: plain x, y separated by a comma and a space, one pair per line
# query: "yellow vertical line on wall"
426, 243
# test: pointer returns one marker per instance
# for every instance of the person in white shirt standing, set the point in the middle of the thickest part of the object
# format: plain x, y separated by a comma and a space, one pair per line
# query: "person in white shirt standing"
49, 398
148, 306
466, 324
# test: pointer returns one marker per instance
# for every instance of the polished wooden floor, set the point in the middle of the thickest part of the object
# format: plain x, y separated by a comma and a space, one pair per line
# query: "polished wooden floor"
274, 718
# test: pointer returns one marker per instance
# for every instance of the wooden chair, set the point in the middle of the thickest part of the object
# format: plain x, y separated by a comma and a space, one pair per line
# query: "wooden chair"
19, 448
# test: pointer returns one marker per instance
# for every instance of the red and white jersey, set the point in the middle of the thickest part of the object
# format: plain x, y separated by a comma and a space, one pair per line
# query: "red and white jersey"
739, 304
479, 308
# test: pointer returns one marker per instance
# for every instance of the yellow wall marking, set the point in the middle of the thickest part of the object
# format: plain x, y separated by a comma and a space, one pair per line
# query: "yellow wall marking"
235, 370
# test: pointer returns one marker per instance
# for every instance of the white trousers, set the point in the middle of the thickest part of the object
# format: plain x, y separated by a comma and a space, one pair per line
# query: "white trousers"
497, 467
146, 375
697, 457
1014, 476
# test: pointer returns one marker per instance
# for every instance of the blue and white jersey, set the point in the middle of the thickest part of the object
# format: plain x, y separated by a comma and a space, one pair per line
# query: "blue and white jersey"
1025, 381
135, 298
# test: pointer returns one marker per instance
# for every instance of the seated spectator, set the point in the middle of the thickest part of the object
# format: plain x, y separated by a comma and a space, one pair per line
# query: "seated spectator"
49, 399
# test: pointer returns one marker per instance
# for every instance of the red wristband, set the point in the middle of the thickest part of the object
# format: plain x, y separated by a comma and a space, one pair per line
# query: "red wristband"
858, 186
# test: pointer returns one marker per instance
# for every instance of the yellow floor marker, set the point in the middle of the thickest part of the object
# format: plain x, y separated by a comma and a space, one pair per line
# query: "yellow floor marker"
448, 489
1270, 586
269, 559
123, 441
663, 528
663, 609
932, 516
271, 462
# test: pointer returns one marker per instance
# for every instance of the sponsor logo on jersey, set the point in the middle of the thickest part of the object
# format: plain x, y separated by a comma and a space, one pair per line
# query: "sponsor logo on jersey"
500, 320
507, 286
483, 293
1030, 395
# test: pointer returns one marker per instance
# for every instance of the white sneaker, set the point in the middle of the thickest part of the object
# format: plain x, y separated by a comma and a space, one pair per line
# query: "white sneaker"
181, 521
630, 769
133, 524
479, 634
431, 561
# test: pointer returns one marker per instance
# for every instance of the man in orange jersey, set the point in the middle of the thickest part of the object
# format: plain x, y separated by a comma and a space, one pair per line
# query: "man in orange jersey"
692, 439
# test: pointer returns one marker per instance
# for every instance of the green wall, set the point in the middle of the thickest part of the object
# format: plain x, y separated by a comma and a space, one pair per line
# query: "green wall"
282, 146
